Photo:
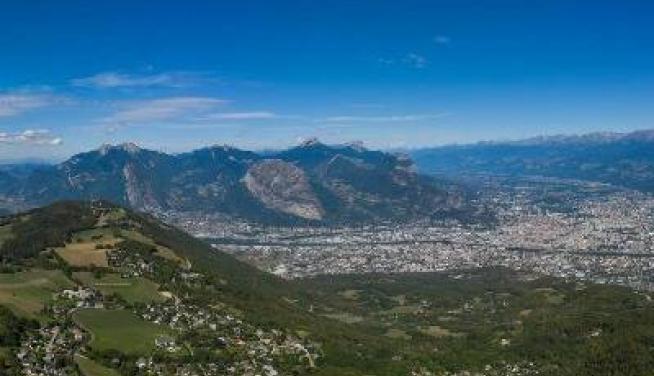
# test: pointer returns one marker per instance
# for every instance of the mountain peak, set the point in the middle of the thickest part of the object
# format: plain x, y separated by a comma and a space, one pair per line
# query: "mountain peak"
356, 146
128, 147
224, 147
310, 142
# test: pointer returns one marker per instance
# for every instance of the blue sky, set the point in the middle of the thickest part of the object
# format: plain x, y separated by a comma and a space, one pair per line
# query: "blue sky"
176, 75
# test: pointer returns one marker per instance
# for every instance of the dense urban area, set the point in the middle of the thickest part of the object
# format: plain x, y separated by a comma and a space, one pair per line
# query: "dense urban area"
556, 227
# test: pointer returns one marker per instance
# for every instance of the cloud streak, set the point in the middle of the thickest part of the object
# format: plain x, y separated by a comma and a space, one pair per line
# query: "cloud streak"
108, 80
381, 119
41, 137
410, 60
12, 104
164, 109
256, 115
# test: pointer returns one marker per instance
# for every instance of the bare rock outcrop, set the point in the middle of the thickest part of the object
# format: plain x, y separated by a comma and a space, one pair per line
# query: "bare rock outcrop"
284, 187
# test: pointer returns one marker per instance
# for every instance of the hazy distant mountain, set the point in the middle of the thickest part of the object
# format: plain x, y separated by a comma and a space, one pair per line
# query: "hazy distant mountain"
311, 182
624, 159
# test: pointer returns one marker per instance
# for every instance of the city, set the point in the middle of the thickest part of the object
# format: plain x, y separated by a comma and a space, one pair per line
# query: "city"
592, 232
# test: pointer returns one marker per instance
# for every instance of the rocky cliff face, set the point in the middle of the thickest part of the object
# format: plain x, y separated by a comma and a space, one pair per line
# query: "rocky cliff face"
311, 182
285, 187
124, 174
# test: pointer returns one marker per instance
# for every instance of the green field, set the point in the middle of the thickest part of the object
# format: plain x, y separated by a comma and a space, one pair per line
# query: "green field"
133, 289
25, 293
119, 330
91, 368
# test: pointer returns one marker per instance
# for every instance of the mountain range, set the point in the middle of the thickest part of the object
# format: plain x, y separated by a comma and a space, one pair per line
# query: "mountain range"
621, 159
312, 182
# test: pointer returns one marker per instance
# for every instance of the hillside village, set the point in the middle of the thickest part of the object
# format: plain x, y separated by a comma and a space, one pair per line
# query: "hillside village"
180, 328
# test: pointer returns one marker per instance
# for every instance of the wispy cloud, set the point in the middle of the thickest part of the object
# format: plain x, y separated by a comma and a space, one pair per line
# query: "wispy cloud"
415, 60
443, 40
386, 61
164, 109
411, 60
12, 104
381, 119
107, 80
256, 115
30, 137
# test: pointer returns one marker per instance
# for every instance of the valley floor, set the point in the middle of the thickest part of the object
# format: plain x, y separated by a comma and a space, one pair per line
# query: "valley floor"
558, 228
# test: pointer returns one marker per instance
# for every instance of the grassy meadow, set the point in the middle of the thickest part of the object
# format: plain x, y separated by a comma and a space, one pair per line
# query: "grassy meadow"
119, 330
132, 289
26, 293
